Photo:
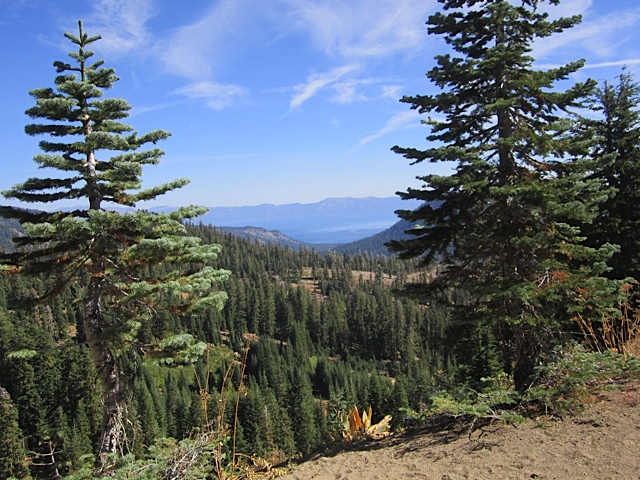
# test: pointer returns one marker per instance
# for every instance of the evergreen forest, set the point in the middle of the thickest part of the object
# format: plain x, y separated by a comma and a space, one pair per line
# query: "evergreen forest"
321, 332
148, 345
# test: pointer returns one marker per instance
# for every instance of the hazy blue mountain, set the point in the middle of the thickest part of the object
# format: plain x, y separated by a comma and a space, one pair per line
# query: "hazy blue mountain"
334, 220
374, 245
322, 225
263, 235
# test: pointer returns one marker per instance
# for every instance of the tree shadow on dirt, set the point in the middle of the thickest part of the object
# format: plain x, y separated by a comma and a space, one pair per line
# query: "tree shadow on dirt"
433, 431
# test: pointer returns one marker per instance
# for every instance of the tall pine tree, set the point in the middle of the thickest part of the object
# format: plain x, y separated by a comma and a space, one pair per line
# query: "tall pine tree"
97, 158
12, 452
505, 223
615, 151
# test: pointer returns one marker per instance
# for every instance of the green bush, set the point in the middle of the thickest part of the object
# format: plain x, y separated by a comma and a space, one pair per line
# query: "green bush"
566, 383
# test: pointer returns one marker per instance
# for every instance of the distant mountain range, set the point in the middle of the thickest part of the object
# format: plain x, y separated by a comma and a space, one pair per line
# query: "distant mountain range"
331, 221
373, 245
346, 225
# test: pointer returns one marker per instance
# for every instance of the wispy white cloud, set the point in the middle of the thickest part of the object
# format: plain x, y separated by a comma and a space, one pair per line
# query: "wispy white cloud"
121, 24
348, 92
391, 91
357, 32
317, 82
197, 50
566, 8
363, 28
139, 110
616, 63
201, 51
400, 121
360, 89
600, 36
216, 96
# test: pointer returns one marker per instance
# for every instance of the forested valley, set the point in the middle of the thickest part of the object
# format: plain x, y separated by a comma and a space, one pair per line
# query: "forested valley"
138, 344
322, 332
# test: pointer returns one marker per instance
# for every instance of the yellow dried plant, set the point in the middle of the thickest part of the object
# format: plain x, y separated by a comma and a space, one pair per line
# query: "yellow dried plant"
355, 426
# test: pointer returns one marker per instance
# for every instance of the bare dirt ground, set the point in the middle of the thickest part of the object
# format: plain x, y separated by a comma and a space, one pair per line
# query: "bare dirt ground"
600, 442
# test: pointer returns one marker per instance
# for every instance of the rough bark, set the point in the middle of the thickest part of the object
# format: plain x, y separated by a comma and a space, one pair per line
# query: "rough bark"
527, 348
113, 434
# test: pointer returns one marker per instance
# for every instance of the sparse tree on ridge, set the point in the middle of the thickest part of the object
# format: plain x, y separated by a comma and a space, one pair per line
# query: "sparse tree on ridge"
505, 223
111, 255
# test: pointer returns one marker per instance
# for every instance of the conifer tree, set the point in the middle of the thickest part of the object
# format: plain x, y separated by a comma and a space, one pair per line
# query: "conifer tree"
505, 223
96, 158
615, 151
196, 413
12, 451
302, 411
398, 401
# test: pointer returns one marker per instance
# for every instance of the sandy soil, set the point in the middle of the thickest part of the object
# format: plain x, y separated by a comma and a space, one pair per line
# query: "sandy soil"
601, 442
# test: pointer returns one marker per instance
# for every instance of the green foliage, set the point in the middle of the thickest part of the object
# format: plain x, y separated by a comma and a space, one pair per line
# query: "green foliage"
399, 403
179, 349
22, 354
569, 380
12, 453
302, 411
505, 225
612, 142
126, 267
167, 459
496, 401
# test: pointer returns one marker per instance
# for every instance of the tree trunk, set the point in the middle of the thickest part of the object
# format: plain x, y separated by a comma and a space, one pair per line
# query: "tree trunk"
113, 435
527, 355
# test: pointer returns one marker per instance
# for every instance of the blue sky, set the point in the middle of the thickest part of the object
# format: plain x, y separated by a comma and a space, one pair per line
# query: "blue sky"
270, 101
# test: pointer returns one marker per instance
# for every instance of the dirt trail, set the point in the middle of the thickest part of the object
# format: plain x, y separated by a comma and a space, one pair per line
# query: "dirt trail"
601, 442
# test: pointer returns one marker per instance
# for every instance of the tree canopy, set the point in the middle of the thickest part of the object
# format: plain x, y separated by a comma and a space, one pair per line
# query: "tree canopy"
128, 266
506, 224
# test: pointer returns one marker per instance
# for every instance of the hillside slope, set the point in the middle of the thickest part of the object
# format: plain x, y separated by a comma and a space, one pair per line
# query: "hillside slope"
262, 235
375, 244
8, 230
600, 442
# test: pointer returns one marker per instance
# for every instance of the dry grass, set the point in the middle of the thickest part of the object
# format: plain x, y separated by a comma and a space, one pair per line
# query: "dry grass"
620, 334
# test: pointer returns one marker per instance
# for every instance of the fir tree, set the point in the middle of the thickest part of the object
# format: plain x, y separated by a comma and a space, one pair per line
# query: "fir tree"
12, 451
302, 411
505, 223
196, 418
615, 151
279, 429
252, 415
108, 253
397, 403
145, 411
